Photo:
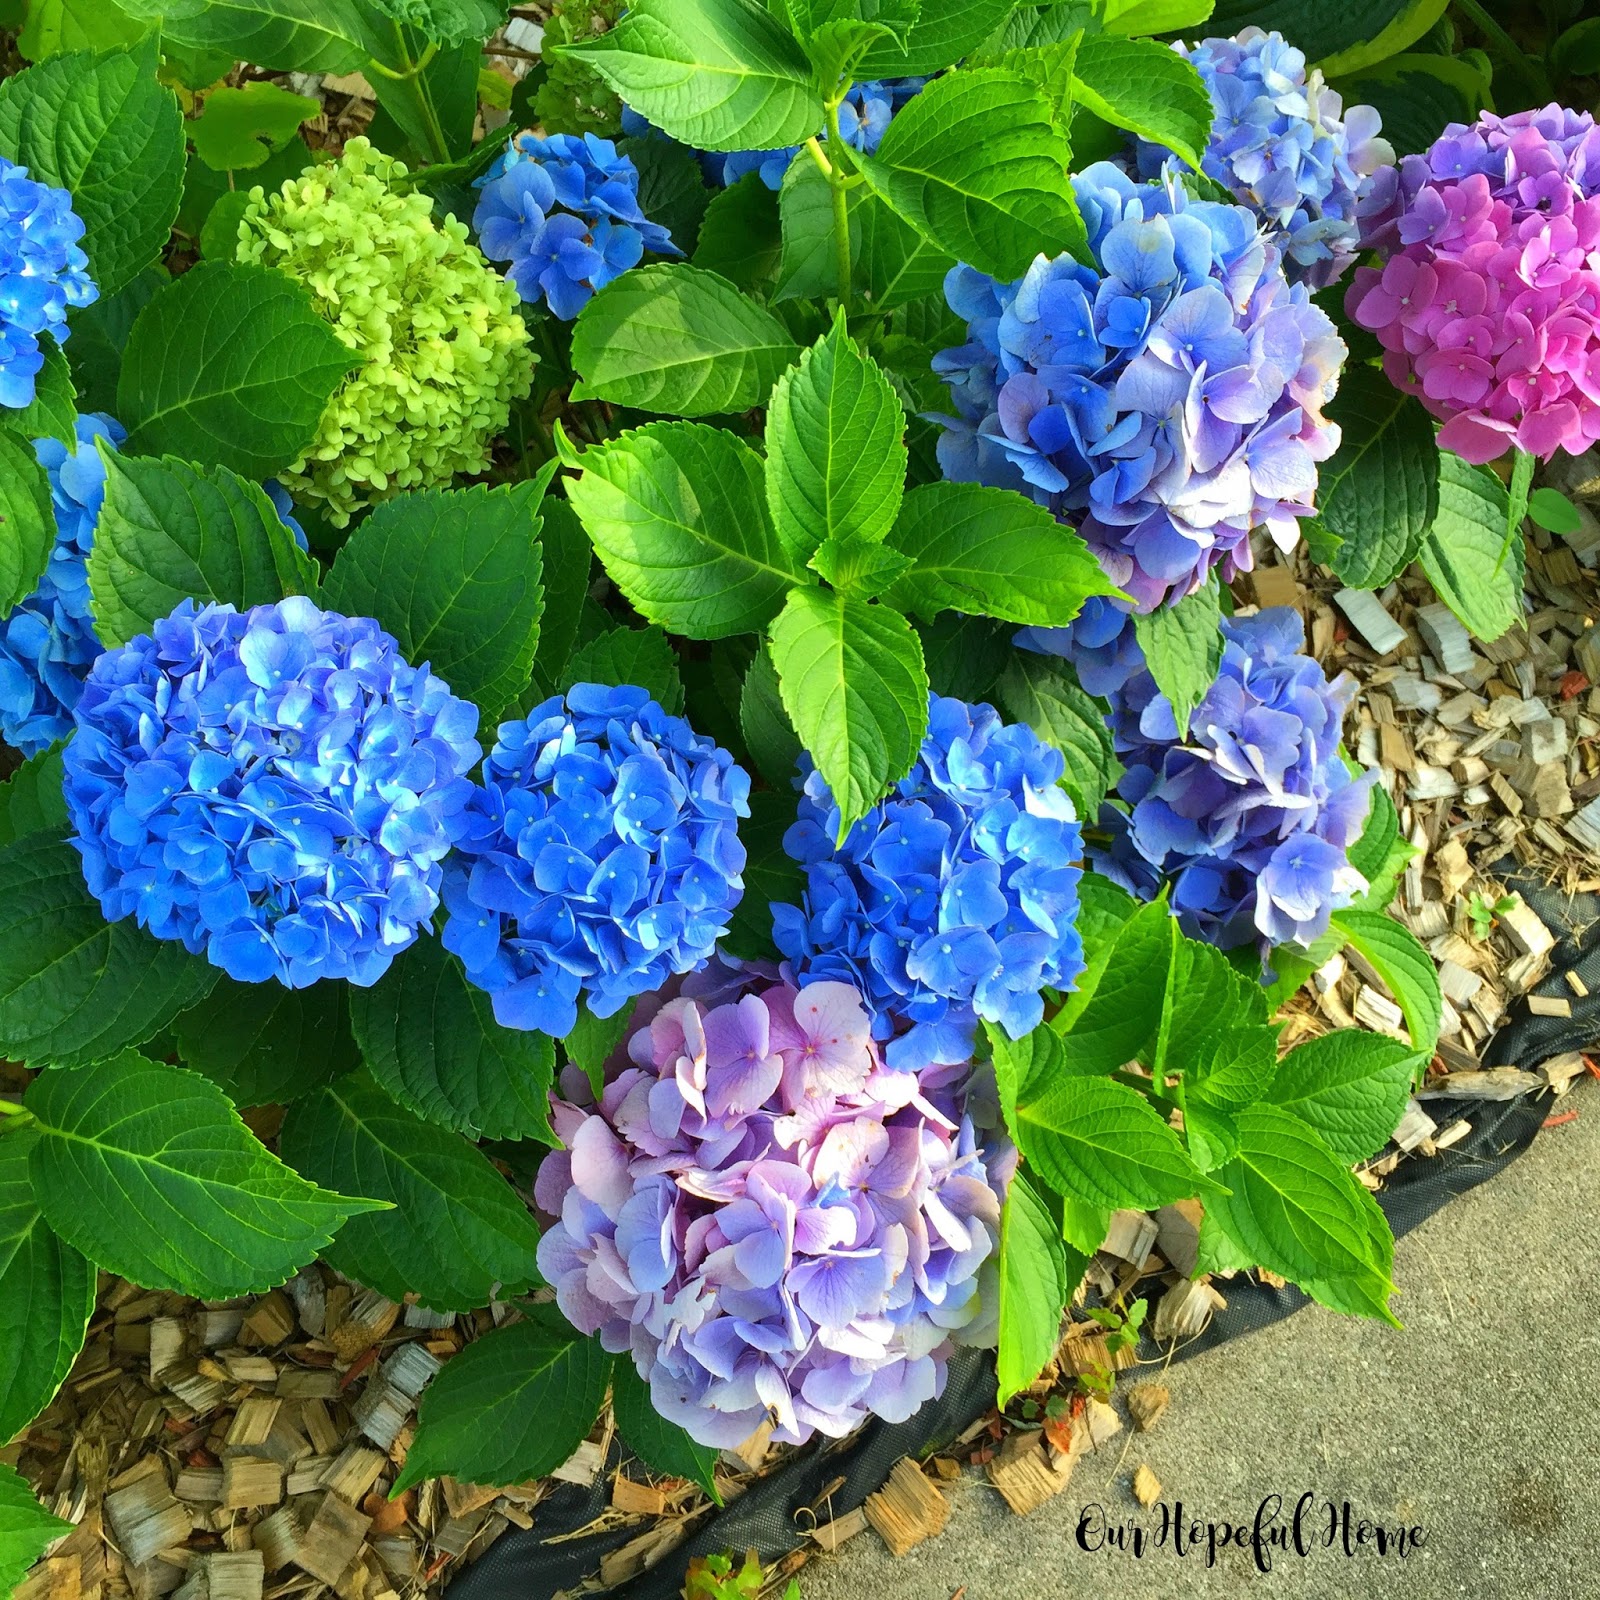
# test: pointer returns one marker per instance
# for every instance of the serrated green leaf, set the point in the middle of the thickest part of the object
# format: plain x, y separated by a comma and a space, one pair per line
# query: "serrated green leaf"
457, 1227
1405, 967
1211, 1133
590, 1043
677, 514
1152, 16
1378, 835
567, 559
851, 678
862, 570
276, 35
672, 188
263, 1044
677, 340
1143, 86
99, 335
1112, 1017
944, 32
102, 128
31, 800
1033, 1287
169, 531
431, 1042
1317, 28
47, 1292
446, 22
56, 26
741, 237
1464, 550
965, 655
642, 657
27, 1530
1214, 1031
1033, 689
240, 128
977, 164
768, 734
1182, 647
149, 1172
75, 988
53, 411
1351, 1086
456, 575
1103, 908
27, 522
230, 365
662, 1446
717, 74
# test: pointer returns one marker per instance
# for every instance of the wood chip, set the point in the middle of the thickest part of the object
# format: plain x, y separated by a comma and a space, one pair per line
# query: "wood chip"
907, 1509
830, 1535
1549, 1005
637, 1499
1147, 1404
1146, 1486
250, 1481
143, 1515
1029, 1475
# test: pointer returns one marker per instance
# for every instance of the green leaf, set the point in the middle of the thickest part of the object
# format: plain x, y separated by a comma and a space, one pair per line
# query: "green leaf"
31, 799
965, 655
567, 558
1548, 507
169, 531
1317, 28
263, 1044
718, 74
1113, 1017
642, 657
446, 22
1464, 550
661, 1445
240, 128
457, 1227
677, 514
27, 522
977, 164
1294, 1209
513, 1406
590, 1043
229, 365
75, 988
672, 189
1378, 835
768, 734
1405, 967
431, 1042
1025, 1068
56, 26
47, 1292
102, 128
276, 35
1214, 1030
945, 31
1035, 690
1418, 95
27, 1530
1103, 910
1033, 1287
1406, 24
852, 680
148, 1171
1351, 1086
1152, 16
992, 552
1182, 647
677, 340
1150, 90
53, 412
1380, 490
456, 576
862, 570
99, 335
836, 454
741, 237
1211, 1133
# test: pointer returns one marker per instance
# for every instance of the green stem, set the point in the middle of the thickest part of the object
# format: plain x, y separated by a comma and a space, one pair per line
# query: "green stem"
10, 1108
410, 72
840, 181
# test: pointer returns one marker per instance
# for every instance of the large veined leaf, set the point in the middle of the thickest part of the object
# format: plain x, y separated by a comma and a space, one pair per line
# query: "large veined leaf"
1400, 960
169, 531
430, 1040
662, 1445
567, 559
1351, 1086
1182, 647
1033, 1287
26, 1528
27, 523
1034, 689
851, 678
102, 128
945, 31
512, 1406
148, 1171
1476, 571
977, 163
640, 656
229, 365
1141, 85
46, 1294
1112, 1018
768, 734
75, 988
31, 799
446, 22
56, 26
53, 411
1319, 29
1152, 16
741, 237
457, 1229
277, 35
677, 513
718, 74
456, 575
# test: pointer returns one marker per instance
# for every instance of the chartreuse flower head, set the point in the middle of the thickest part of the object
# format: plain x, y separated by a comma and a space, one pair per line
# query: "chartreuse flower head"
956, 898
442, 349
768, 1220
601, 856
275, 788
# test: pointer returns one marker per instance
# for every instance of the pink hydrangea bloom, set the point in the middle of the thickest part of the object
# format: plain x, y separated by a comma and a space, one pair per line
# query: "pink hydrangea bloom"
769, 1220
1488, 305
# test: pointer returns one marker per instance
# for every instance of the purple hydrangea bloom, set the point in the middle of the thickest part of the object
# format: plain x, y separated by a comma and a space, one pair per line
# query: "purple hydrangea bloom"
767, 1220
564, 211
43, 273
601, 856
275, 787
1283, 145
954, 899
1099, 641
1165, 402
1250, 817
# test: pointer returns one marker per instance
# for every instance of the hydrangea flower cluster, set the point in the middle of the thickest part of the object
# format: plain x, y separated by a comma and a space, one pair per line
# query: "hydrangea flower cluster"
1282, 144
600, 857
275, 788
43, 272
1165, 403
443, 350
564, 211
771, 1223
1100, 642
955, 899
1250, 817
1488, 306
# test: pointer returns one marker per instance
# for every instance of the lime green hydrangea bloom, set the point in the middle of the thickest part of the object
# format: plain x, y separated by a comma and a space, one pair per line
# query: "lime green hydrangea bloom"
444, 352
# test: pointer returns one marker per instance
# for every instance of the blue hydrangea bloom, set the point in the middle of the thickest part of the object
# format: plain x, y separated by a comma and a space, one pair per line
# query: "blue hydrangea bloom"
1099, 641
276, 788
1165, 402
601, 856
564, 211
955, 899
1282, 143
1250, 817
43, 272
